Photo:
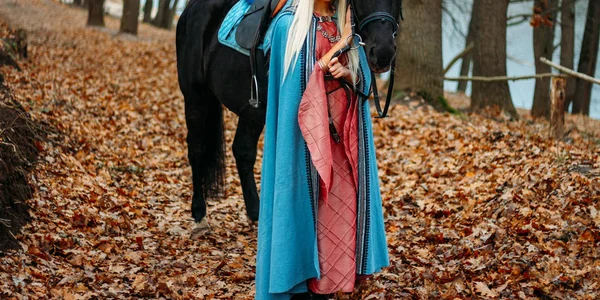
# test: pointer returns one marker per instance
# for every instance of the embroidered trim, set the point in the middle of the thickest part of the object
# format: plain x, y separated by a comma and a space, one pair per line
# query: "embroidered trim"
363, 205
363, 226
368, 196
306, 55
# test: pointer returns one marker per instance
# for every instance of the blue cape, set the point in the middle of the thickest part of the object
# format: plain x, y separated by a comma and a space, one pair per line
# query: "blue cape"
287, 243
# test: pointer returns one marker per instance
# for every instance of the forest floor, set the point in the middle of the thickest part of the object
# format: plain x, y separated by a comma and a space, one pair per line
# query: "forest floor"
475, 207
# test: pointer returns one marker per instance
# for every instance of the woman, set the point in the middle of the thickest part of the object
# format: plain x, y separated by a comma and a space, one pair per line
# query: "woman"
321, 225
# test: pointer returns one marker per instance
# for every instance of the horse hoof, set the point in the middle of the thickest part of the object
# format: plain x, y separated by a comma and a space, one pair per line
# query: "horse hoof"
251, 221
200, 228
252, 215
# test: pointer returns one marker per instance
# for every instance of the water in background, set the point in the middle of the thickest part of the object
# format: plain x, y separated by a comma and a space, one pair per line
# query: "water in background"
519, 49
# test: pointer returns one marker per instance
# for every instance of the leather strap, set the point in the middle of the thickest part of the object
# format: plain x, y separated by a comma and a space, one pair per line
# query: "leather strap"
383, 16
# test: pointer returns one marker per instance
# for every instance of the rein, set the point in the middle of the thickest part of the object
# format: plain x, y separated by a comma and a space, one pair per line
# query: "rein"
376, 16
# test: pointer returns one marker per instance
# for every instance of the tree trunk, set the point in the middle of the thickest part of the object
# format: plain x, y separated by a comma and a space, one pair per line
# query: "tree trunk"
587, 59
467, 59
148, 11
95, 13
166, 13
171, 15
129, 20
420, 50
489, 57
567, 46
77, 2
163, 5
543, 46
557, 120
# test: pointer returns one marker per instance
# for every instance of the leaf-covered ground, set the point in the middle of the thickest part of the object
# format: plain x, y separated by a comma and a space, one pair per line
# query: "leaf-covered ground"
474, 207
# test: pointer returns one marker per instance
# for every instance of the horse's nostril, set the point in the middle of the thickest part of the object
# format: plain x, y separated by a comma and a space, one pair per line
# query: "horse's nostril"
372, 55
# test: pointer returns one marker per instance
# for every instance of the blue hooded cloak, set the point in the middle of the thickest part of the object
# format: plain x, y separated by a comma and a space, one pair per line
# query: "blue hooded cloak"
287, 242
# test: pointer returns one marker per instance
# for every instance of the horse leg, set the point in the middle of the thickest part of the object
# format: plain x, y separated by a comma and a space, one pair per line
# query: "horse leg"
244, 151
230, 82
204, 120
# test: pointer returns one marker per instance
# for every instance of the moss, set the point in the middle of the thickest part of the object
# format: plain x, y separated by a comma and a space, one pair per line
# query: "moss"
447, 107
398, 95
440, 103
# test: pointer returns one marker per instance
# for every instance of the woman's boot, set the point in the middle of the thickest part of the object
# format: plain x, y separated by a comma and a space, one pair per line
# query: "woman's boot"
303, 296
310, 296
319, 296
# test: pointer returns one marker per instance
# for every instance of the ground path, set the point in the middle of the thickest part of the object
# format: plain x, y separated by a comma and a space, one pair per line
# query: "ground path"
474, 206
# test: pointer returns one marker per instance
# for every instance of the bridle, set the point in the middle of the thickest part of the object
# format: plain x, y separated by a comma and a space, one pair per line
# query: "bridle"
376, 16
379, 15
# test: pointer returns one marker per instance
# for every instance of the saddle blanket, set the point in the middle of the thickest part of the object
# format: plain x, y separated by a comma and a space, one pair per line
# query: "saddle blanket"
228, 28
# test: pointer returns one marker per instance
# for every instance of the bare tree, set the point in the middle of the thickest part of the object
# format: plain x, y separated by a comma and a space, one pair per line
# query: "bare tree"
95, 13
543, 46
567, 45
420, 53
489, 56
587, 59
148, 11
166, 13
129, 19
171, 15
160, 14
468, 58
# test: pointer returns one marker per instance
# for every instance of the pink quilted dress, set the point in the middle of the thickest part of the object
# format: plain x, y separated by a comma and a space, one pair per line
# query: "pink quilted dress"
336, 164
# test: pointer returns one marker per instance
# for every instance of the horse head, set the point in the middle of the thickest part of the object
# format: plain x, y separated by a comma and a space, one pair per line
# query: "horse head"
376, 22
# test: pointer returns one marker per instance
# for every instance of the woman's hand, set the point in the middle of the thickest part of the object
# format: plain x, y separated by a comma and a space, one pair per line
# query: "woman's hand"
338, 70
345, 38
347, 31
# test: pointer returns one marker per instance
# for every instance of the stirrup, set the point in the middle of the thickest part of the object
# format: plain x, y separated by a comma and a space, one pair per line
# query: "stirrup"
254, 102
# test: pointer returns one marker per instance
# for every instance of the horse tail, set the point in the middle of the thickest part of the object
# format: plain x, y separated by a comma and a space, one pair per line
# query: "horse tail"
203, 111
212, 165
205, 141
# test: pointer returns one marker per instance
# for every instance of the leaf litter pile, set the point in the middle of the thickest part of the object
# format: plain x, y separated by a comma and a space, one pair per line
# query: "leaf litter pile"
474, 207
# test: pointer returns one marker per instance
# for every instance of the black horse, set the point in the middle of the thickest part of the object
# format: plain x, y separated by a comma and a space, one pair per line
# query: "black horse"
211, 74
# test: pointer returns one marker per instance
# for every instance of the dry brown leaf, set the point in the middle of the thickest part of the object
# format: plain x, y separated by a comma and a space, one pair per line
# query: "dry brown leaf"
484, 290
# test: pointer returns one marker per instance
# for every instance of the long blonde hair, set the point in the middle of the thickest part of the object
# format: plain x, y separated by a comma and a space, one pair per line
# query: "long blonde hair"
299, 31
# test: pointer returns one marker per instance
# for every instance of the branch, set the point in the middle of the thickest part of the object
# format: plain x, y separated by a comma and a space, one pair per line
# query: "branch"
459, 56
518, 22
520, 16
455, 22
525, 17
570, 72
5, 222
520, 61
519, 1
501, 78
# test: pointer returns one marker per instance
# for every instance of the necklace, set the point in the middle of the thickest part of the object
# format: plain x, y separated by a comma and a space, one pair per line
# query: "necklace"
322, 19
332, 39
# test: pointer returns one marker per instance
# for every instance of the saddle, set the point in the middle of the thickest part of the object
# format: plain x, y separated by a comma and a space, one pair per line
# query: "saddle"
249, 34
255, 22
